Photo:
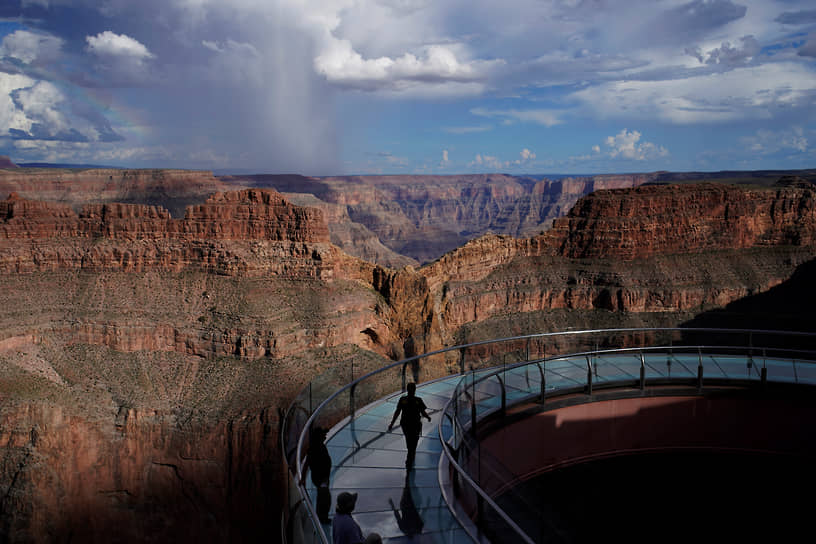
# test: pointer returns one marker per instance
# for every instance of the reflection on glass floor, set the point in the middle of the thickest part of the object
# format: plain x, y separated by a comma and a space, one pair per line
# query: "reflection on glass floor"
407, 506
400, 505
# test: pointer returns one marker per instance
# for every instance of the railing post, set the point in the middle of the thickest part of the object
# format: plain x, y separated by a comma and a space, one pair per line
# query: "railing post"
589, 375
751, 345
351, 401
473, 403
462, 361
642, 372
404, 367
527, 359
764, 373
750, 362
699, 370
503, 395
543, 382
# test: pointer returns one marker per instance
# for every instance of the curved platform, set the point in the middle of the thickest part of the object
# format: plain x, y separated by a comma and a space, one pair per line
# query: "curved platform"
410, 506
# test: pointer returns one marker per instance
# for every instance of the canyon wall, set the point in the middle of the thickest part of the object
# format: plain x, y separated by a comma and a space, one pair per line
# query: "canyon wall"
172, 189
144, 361
144, 356
650, 250
422, 217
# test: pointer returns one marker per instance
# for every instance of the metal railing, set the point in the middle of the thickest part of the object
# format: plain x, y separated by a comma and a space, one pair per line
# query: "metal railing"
338, 394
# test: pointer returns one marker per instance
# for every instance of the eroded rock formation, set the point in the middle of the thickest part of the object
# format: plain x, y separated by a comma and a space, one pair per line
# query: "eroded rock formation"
651, 249
422, 217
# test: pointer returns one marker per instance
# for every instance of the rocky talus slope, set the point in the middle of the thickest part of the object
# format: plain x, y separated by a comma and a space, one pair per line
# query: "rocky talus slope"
145, 356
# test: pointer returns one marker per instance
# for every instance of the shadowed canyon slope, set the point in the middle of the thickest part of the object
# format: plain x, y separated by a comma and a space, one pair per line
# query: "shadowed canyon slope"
144, 357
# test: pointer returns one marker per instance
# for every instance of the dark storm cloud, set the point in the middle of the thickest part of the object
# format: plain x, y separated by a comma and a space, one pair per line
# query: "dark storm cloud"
797, 17
809, 49
694, 19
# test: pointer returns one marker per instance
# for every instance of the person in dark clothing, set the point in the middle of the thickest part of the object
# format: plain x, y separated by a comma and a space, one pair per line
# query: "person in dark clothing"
319, 462
413, 409
345, 529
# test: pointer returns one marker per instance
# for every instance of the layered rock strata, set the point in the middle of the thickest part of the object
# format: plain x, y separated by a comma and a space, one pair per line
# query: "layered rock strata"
650, 249
247, 232
172, 189
422, 217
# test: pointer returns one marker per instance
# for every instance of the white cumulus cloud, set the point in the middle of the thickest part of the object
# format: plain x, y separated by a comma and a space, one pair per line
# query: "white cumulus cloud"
626, 144
437, 65
30, 46
108, 43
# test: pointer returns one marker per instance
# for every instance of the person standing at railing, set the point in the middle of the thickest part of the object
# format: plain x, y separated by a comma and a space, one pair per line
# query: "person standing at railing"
412, 409
319, 462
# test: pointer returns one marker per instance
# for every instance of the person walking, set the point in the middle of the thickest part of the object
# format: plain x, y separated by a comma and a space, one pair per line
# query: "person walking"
412, 409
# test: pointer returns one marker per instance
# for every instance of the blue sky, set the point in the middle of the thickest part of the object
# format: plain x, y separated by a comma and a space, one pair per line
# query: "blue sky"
323, 87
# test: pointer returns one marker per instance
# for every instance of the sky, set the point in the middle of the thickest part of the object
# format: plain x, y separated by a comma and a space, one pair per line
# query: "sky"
329, 87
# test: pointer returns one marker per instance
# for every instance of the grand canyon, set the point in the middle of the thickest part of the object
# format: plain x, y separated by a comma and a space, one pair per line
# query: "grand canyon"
157, 323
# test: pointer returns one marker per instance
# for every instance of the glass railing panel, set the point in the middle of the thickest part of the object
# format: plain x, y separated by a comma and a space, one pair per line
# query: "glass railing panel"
681, 366
488, 392
567, 372
806, 372
780, 370
432, 367
655, 365
611, 367
300, 527
737, 367
711, 367
522, 380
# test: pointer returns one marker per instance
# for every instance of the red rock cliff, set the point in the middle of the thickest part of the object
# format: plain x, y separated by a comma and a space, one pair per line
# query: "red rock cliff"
651, 249
249, 231
664, 220
172, 189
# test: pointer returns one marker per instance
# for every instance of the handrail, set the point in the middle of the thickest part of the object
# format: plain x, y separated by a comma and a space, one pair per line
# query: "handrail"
663, 348
446, 448
299, 461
